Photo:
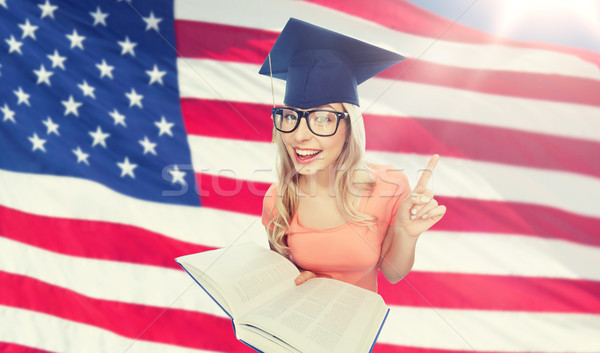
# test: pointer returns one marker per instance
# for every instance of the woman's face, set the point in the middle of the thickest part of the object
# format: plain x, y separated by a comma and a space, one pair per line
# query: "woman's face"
311, 153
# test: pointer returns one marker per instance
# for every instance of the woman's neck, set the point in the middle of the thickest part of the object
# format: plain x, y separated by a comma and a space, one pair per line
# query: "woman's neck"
318, 184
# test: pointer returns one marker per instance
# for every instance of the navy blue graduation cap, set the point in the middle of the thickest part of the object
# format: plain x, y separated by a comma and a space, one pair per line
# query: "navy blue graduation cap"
322, 66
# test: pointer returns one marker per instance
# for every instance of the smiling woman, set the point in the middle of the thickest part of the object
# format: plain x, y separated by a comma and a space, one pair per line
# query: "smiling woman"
331, 213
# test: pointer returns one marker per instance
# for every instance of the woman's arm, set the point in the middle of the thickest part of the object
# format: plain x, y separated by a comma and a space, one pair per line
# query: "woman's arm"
417, 213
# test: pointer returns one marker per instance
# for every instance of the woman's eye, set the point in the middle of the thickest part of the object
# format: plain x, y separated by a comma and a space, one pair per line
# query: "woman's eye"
322, 118
290, 117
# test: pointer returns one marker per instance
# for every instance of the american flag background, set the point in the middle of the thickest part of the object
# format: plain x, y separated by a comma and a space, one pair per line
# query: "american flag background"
133, 132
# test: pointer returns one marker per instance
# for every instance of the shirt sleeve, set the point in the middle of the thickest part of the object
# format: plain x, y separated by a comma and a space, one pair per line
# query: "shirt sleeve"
269, 211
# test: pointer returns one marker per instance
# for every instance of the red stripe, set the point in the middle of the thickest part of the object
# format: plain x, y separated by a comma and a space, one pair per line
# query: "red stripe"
95, 239
464, 215
487, 292
441, 290
6, 347
388, 348
155, 324
406, 17
230, 194
247, 45
410, 135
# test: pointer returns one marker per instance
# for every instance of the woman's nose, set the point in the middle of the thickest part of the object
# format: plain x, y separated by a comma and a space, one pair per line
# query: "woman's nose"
302, 132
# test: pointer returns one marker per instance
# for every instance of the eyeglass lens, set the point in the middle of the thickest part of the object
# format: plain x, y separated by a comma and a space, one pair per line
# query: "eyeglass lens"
319, 122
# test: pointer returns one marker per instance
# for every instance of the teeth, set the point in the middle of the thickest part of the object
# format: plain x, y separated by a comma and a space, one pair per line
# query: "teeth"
307, 153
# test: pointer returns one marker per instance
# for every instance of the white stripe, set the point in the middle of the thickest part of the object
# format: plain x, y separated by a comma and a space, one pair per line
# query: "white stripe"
453, 176
506, 255
53, 334
211, 79
38, 194
272, 15
498, 331
518, 331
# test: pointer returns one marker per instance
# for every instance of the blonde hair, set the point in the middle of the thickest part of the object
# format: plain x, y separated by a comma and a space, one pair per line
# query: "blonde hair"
351, 173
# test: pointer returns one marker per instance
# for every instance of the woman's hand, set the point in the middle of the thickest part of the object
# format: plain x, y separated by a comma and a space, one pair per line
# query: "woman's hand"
419, 210
304, 276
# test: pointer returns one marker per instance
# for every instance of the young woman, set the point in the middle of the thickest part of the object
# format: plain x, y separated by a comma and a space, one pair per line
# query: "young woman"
331, 213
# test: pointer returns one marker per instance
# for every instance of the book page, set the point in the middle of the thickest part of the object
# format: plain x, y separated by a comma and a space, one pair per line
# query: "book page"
323, 315
245, 275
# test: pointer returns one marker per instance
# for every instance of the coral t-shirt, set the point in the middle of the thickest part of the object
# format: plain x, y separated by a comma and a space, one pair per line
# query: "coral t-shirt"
350, 252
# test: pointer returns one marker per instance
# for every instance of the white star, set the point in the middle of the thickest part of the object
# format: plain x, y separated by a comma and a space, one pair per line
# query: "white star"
81, 156
38, 143
134, 98
57, 60
71, 106
76, 40
127, 46
156, 75
28, 29
8, 114
51, 126
43, 75
48, 9
87, 89
127, 168
148, 145
118, 117
164, 127
105, 69
3, 3
177, 176
22, 96
152, 22
99, 137
14, 45
99, 17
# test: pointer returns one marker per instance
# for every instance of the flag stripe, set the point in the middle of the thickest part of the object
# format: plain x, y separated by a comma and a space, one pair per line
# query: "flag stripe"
501, 280
126, 319
94, 239
451, 53
469, 215
237, 82
251, 46
47, 332
7, 347
455, 291
456, 177
179, 222
409, 135
89, 275
491, 330
108, 314
424, 23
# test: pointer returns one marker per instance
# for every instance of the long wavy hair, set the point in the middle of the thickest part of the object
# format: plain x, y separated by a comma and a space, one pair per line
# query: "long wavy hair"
351, 175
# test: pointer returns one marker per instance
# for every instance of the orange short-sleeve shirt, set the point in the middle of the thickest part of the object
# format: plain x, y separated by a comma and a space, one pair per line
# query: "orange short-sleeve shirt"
350, 252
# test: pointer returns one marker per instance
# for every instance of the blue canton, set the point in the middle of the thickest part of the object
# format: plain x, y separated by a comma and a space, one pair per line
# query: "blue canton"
89, 89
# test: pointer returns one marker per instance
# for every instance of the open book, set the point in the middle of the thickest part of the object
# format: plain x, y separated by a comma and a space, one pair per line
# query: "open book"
270, 313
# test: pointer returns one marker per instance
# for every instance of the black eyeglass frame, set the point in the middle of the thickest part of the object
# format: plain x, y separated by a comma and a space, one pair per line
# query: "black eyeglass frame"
304, 114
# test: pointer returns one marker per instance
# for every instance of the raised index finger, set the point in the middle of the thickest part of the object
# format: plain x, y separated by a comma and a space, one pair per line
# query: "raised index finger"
427, 173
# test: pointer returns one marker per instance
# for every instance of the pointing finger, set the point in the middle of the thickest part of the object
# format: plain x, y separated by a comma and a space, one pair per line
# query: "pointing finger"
427, 173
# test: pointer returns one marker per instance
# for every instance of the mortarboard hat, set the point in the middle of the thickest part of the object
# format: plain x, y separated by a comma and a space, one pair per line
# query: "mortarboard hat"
322, 66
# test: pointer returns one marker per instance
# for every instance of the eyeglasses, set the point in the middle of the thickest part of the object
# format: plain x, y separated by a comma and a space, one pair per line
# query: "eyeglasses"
320, 122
